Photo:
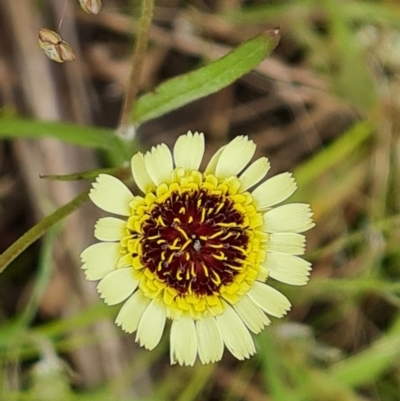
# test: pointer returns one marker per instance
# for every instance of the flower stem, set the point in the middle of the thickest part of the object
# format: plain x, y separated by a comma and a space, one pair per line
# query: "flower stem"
137, 63
39, 229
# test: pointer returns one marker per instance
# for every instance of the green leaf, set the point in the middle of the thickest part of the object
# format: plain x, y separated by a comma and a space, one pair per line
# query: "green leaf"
187, 88
91, 137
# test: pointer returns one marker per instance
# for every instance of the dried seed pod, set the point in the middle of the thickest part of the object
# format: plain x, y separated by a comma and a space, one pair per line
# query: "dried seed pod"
55, 47
91, 6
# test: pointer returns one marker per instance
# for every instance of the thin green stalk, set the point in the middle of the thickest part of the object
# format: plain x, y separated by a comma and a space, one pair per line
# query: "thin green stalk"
119, 172
42, 277
137, 62
39, 229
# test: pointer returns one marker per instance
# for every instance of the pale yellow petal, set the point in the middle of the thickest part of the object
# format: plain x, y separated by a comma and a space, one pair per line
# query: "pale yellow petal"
288, 269
100, 259
254, 173
275, 190
109, 229
140, 174
235, 157
117, 286
189, 151
291, 243
269, 299
111, 194
235, 334
151, 325
159, 164
212, 164
131, 312
294, 217
251, 314
211, 346
183, 347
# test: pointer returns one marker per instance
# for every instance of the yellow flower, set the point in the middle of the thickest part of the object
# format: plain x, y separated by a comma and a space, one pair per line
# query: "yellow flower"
197, 247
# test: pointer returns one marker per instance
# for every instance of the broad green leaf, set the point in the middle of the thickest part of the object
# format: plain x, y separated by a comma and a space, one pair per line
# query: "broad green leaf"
187, 88
91, 137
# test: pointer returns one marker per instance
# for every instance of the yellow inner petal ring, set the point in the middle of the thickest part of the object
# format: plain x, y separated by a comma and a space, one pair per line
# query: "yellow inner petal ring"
194, 241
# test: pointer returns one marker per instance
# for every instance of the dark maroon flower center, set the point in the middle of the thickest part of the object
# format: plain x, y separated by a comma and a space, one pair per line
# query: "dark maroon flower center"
195, 242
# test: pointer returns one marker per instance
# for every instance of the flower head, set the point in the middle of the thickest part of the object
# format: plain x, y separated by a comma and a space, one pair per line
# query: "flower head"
197, 248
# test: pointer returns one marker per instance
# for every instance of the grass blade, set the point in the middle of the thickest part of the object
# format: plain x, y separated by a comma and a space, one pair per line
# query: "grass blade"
39, 229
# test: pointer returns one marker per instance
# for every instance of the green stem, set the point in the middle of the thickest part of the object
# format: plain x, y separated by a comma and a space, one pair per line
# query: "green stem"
137, 62
39, 229
42, 278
